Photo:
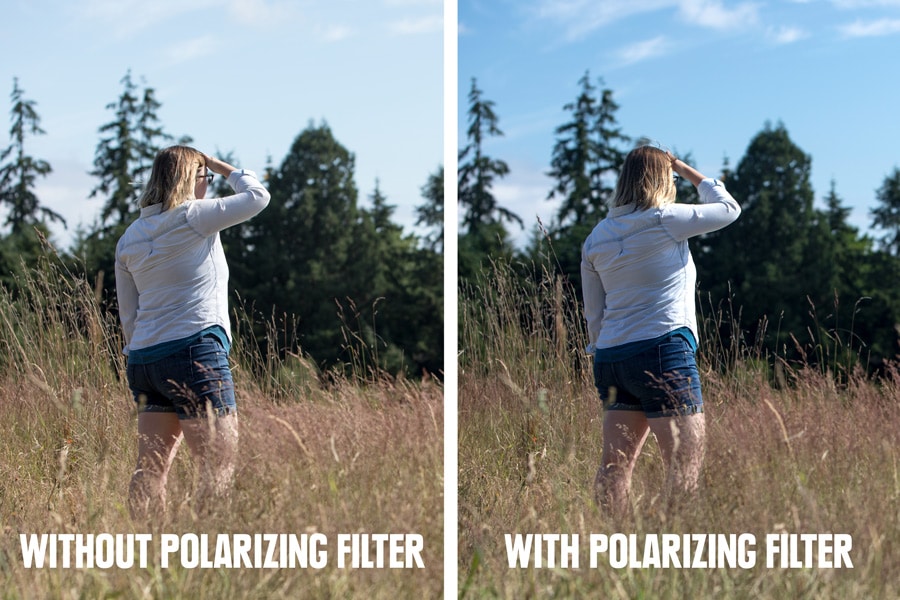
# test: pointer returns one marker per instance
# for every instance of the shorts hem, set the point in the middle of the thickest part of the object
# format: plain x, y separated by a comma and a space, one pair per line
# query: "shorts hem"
626, 407
681, 411
222, 411
154, 408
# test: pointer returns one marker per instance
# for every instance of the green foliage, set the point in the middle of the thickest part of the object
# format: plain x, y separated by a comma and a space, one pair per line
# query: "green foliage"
19, 174
479, 247
296, 251
886, 216
586, 155
122, 160
807, 284
18, 251
431, 213
363, 293
477, 170
126, 151
585, 160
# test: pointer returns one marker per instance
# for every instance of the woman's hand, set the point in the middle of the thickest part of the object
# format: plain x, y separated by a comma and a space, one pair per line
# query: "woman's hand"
219, 167
685, 170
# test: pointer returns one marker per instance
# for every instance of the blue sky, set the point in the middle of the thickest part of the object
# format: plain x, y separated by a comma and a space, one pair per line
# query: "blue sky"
699, 76
241, 75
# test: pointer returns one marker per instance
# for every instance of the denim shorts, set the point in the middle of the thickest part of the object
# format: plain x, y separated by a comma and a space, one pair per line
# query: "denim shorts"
186, 382
662, 381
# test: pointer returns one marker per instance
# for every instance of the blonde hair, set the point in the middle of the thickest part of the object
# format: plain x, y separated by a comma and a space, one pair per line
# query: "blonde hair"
645, 180
173, 177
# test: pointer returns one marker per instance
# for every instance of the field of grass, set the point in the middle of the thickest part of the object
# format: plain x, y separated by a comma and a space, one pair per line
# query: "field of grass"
792, 453
361, 453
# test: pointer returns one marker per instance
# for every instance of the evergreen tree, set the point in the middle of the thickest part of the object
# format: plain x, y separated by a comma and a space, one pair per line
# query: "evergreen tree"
761, 258
586, 155
122, 161
401, 288
584, 163
295, 255
477, 170
574, 155
431, 213
128, 145
19, 174
483, 235
886, 216
20, 252
344, 281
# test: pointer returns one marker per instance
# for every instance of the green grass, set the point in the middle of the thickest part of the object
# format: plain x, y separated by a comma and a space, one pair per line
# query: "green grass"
793, 453
355, 454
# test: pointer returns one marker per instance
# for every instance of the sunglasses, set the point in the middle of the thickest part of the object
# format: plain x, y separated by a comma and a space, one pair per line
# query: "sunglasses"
208, 176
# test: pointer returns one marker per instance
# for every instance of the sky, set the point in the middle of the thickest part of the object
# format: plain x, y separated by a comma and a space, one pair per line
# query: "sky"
246, 76
697, 76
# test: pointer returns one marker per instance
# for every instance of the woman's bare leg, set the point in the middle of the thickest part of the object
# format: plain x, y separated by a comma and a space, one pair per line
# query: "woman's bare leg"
682, 443
213, 442
159, 435
624, 433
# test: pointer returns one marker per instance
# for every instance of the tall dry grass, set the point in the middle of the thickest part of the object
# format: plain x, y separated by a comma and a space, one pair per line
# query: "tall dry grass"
360, 454
792, 449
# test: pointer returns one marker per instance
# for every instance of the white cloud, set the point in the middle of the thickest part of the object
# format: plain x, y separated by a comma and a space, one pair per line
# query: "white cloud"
786, 34
189, 50
429, 24
413, 2
643, 50
871, 28
126, 17
526, 196
260, 12
581, 17
713, 13
335, 33
854, 4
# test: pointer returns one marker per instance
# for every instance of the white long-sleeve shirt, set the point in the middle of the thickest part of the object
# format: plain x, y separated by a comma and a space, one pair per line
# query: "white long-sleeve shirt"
637, 273
171, 274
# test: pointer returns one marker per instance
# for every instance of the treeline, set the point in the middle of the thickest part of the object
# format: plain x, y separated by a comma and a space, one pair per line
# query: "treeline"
789, 279
336, 282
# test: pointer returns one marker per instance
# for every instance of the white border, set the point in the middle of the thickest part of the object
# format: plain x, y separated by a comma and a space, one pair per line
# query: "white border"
451, 474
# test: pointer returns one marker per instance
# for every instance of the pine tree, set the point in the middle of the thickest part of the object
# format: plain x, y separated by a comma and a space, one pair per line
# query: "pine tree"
295, 259
483, 235
586, 156
886, 216
19, 174
584, 163
760, 263
574, 156
401, 290
122, 161
477, 170
431, 213
125, 154
344, 281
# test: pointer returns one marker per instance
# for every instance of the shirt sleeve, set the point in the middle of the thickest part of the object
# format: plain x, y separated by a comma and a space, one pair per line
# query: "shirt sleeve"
716, 210
127, 296
209, 216
594, 300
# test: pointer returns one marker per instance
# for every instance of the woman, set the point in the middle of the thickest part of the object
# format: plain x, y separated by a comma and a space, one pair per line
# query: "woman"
638, 282
172, 286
